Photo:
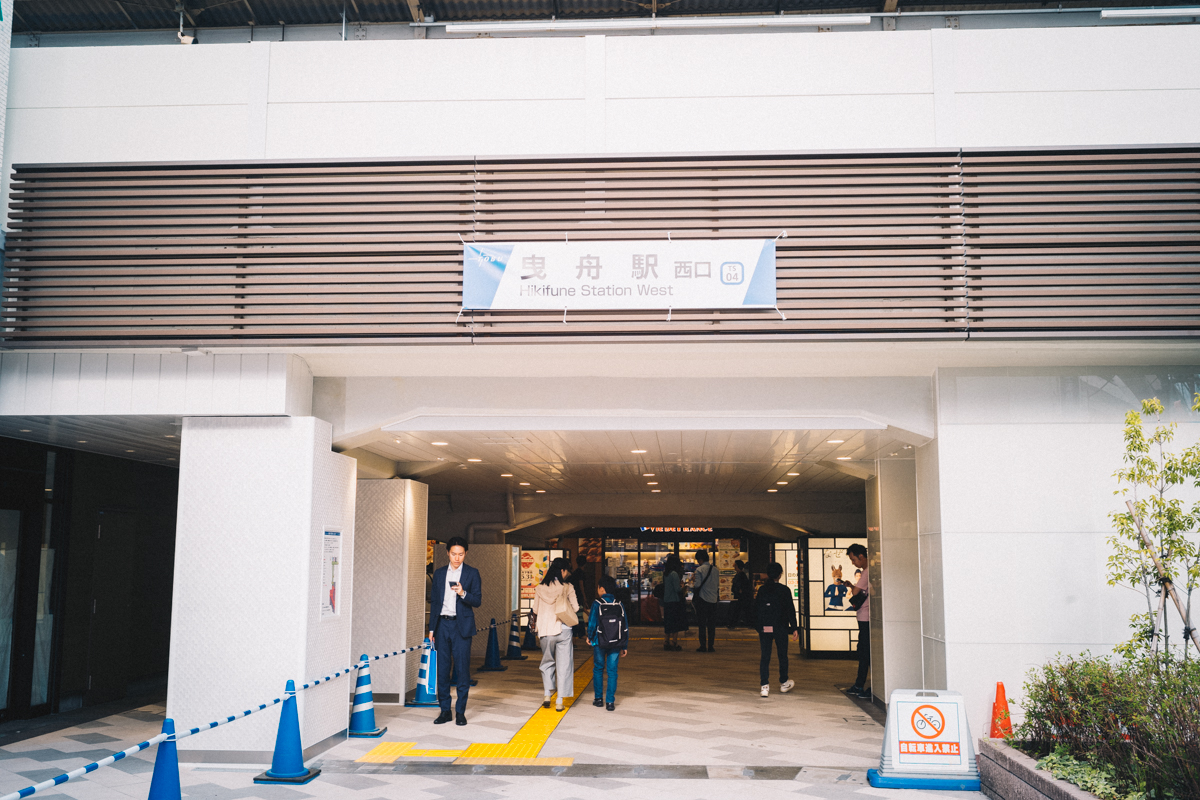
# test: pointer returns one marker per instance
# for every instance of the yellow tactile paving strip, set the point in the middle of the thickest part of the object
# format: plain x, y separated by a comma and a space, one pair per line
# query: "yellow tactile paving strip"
522, 749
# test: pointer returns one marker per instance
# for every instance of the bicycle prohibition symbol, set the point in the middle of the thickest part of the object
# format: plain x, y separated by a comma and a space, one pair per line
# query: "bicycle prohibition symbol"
928, 722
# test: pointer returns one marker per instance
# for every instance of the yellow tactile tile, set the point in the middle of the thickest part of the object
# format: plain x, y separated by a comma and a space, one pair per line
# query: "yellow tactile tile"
517, 762
386, 752
432, 754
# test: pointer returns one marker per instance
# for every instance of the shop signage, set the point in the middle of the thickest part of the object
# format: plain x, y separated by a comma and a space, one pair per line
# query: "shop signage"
653, 274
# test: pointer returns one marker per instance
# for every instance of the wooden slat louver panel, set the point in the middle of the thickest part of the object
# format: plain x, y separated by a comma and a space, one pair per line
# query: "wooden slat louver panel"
1083, 243
877, 246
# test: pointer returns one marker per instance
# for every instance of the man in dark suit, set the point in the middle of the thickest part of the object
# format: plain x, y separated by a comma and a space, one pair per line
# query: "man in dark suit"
457, 592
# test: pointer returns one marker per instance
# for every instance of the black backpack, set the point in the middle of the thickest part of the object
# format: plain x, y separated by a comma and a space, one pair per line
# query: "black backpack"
611, 628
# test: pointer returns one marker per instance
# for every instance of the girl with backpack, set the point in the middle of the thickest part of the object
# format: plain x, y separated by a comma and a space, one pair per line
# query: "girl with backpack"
776, 615
608, 634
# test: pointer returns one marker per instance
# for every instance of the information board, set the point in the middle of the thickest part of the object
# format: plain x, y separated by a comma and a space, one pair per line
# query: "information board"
331, 574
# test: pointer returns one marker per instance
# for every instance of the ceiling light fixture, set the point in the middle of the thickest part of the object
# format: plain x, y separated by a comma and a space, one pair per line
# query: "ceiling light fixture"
83, 441
835, 441
25, 430
541, 491
794, 474
843, 458
170, 436
653, 23
1138, 13
439, 444
647, 474
781, 483
637, 451
652, 483
475, 460
523, 483
505, 474
128, 451
772, 490
655, 490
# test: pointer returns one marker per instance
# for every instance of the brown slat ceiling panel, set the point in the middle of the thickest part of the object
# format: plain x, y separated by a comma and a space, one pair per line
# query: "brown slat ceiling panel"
1107, 241
879, 246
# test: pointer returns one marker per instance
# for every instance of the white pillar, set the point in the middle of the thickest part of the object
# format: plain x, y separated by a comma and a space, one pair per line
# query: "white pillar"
257, 496
389, 579
895, 578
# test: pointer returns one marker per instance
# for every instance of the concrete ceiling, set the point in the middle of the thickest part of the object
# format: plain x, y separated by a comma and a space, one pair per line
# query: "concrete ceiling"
633, 462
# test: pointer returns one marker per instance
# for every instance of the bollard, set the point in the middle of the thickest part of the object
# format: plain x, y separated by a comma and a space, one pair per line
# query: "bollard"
491, 659
164, 785
514, 640
362, 713
426, 694
287, 763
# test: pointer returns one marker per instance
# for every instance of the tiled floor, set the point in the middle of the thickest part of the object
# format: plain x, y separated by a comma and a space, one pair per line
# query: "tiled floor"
685, 723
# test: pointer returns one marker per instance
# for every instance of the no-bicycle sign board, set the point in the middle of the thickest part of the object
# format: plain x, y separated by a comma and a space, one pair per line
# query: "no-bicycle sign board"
927, 743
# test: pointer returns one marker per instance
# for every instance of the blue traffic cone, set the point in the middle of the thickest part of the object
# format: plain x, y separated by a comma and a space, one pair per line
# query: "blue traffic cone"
530, 642
287, 764
426, 694
514, 640
362, 713
164, 785
491, 660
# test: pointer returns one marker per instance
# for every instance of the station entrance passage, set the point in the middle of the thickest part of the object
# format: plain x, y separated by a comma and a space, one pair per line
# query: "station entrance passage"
677, 712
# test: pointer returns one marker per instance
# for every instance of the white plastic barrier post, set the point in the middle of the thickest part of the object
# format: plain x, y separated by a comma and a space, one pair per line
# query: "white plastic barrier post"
927, 743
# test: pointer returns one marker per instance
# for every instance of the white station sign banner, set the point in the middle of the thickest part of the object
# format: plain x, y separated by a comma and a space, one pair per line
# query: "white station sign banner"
616, 275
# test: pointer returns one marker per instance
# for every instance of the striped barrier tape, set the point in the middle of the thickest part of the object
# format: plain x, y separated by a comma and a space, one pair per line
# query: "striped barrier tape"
75, 773
162, 737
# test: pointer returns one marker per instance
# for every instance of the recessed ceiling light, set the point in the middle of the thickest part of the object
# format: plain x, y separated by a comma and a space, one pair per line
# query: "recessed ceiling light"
397, 441
541, 491
781, 483
439, 444
652, 483
637, 451
843, 458
908, 447
128, 451
794, 474
523, 483
835, 441
25, 430
893, 454
772, 490
170, 436
505, 474
83, 441
647, 474
170, 459
655, 490
475, 460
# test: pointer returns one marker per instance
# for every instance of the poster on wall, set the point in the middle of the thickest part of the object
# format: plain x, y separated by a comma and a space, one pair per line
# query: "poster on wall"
533, 569
331, 574
839, 576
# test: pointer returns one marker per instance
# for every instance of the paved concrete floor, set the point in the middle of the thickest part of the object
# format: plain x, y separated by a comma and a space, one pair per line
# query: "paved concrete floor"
686, 724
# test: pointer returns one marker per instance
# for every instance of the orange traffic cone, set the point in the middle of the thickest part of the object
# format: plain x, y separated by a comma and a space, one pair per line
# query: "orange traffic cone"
1001, 720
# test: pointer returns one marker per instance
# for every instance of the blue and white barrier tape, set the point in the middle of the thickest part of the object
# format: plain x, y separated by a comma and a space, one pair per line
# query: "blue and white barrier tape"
75, 773
162, 737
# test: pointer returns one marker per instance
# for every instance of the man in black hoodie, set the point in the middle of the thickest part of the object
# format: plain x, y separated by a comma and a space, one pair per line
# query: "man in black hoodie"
776, 615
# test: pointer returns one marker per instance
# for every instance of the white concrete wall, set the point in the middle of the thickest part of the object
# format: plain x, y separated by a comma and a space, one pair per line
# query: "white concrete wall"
176, 384
548, 96
1024, 464
245, 616
389, 579
895, 578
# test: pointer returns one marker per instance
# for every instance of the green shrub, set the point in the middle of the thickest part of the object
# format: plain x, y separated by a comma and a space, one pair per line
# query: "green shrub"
1099, 779
1138, 718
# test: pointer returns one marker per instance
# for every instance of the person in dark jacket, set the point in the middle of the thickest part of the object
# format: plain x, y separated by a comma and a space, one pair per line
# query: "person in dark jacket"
608, 634
776, 615
743, 597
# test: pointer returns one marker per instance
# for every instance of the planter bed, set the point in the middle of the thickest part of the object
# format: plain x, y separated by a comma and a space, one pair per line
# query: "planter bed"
1008, 774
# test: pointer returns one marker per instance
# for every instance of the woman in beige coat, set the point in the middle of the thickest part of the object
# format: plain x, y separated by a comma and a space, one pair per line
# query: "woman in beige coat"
553, 596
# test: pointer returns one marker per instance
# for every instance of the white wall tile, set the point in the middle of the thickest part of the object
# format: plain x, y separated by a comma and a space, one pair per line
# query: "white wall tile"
381, 555
64, 391
253, 383
198, 383
118, 384
147, 377
172, 377
93, 375
226, 383
13, 367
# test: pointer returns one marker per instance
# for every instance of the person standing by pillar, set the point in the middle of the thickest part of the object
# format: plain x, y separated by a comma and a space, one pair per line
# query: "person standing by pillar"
457, 592
858, 557
705, 596
743, 597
